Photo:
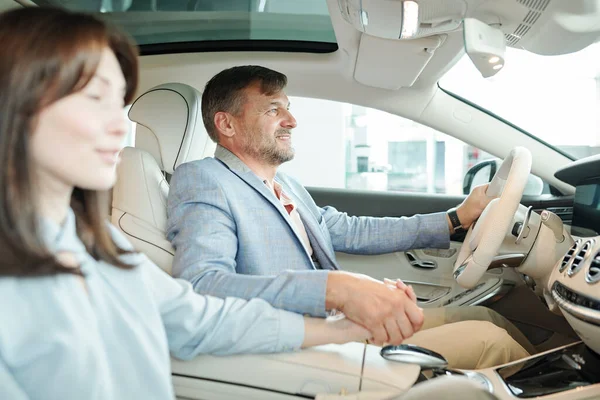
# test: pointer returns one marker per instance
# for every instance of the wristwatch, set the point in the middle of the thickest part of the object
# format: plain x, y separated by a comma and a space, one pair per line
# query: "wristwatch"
456, 224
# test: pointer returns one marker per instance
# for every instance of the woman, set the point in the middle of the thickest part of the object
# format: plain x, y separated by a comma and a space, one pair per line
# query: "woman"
83, 316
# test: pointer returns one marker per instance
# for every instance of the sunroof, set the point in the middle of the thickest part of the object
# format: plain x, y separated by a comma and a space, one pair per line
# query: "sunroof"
294, 25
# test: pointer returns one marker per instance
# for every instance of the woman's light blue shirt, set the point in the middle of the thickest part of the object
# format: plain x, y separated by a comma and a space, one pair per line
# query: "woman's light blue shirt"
112, 341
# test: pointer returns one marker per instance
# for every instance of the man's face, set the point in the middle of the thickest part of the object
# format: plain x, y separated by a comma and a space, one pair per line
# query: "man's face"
265, 127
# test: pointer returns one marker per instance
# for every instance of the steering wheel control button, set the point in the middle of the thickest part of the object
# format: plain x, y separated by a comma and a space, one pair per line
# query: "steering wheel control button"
523, 230
516, 230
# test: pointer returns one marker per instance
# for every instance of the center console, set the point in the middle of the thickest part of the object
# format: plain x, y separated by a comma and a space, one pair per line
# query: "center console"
569, 368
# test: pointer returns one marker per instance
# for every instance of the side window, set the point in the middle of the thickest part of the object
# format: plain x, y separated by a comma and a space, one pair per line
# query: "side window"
341, 145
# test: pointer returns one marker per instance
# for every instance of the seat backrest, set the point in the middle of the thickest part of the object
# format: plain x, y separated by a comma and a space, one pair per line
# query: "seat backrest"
169, 132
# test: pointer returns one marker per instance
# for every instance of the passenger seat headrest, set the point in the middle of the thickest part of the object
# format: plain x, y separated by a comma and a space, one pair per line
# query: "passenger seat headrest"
169, 125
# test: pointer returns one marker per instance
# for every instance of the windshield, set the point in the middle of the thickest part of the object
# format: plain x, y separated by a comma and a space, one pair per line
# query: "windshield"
554, 98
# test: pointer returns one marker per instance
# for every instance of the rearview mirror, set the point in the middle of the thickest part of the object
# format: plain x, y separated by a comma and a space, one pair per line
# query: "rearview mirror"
484, 171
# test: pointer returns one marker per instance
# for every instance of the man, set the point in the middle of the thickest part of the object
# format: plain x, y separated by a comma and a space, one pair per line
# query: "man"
242, 229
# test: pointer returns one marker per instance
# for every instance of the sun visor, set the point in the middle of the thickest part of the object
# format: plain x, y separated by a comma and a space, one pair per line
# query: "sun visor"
393, 64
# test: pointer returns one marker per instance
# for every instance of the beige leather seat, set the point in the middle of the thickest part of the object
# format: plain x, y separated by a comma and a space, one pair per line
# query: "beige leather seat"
169, 132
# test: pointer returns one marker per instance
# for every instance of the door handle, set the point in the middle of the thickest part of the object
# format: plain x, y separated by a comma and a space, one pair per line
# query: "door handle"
418, 263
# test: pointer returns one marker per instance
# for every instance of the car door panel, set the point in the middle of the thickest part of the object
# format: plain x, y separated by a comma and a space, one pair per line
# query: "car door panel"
428, 270
434, 287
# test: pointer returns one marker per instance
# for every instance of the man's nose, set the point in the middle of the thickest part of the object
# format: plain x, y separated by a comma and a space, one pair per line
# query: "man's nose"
289, 122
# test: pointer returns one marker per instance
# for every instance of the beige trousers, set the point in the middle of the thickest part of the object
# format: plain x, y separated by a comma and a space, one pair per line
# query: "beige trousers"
471, 337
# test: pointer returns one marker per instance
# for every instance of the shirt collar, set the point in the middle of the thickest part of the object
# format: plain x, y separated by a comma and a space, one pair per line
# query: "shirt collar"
61, 237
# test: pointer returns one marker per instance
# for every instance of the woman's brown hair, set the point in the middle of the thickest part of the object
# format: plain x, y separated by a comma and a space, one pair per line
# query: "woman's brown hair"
47, 54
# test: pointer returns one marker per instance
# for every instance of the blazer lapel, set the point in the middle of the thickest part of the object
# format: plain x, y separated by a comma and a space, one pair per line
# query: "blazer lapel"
313, 230
236, 166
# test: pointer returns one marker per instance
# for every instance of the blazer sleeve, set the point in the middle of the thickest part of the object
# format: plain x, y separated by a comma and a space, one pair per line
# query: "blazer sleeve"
203, 232
371, 235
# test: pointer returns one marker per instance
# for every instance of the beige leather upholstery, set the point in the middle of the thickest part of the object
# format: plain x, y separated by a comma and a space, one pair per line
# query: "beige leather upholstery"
169, 132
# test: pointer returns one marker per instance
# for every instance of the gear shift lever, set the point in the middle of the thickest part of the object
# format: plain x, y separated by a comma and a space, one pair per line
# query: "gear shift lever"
412, 354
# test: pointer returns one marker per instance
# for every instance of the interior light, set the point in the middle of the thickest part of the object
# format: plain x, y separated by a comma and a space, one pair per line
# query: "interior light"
410, 19
485, 45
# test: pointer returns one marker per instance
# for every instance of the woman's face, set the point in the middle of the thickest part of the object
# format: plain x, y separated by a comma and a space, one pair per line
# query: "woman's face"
78, 138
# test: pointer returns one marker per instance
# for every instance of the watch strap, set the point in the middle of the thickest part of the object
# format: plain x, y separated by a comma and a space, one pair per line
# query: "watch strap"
456, 224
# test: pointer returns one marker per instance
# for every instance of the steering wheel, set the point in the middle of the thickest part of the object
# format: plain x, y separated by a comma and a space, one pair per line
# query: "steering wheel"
484, 238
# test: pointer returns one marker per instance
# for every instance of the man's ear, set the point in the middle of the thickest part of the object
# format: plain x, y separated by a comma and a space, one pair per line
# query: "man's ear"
224, 124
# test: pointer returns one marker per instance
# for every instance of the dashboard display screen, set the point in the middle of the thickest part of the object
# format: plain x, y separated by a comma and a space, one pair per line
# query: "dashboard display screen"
586, 209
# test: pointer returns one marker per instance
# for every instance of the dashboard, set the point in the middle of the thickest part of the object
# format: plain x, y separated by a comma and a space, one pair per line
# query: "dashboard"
574, 283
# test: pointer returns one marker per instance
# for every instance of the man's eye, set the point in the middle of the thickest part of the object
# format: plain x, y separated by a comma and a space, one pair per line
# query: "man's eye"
273, 110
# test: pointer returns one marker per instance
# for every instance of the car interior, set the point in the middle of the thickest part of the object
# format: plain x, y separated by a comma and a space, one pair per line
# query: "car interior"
533, 255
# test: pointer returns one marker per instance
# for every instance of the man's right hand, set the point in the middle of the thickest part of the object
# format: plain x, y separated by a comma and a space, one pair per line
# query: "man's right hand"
385, 310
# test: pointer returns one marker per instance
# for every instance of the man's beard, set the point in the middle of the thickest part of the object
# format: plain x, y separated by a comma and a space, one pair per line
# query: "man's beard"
267, 150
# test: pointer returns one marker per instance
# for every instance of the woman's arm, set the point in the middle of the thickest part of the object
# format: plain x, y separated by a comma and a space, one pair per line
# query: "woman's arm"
199, 324
9, 388
318, 331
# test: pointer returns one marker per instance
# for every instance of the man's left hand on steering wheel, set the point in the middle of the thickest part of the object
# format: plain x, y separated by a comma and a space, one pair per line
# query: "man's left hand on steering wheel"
471, 208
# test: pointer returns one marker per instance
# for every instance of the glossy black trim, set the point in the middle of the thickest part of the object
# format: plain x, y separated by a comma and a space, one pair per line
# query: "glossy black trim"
563, 370
579, 300
581, 172
282, 46
491, 114
301, 395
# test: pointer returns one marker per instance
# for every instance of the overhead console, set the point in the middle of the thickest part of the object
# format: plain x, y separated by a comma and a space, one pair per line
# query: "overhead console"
400, 38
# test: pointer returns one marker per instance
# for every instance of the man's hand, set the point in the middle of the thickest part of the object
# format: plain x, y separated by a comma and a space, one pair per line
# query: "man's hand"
472, 207
386, 311
402, 286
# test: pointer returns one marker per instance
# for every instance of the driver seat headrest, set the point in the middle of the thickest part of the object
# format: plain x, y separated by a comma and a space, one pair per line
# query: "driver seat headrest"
169, 132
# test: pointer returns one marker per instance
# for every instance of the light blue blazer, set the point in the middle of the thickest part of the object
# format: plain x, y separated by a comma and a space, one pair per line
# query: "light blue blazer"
233, 237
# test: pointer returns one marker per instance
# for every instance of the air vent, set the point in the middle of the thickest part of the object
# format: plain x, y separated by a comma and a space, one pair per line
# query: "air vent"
536, 8
531, 17
538, 5
569, 255
579, 257
593, 272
